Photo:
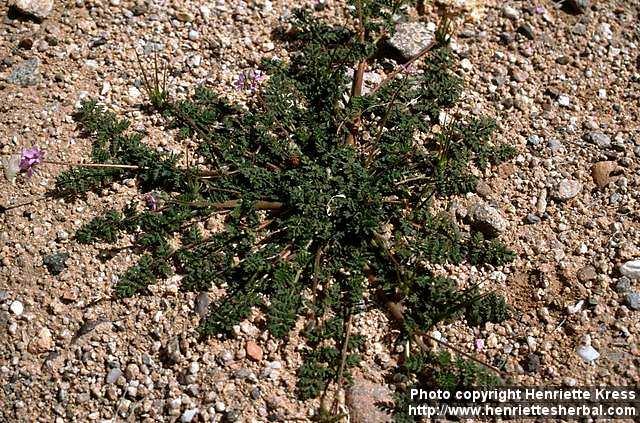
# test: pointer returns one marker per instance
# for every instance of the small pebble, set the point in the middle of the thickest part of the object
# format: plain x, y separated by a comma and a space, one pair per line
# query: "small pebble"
510, 12
17, 308
527, 31
567, 189
564, 100
588, 353
113, 375
194, 35
532, 219
188, 415
623, 285
633, 300
254, 351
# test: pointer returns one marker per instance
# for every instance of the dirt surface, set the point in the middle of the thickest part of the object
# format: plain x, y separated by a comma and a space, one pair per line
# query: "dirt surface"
563, 87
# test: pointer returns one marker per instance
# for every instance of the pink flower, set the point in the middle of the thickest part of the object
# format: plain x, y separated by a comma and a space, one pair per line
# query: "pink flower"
539, 10
30, 158
410, 69
479, 344
240, 82
249, 80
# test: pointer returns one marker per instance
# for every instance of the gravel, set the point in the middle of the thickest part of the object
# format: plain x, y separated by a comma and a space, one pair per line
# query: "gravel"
411, 37
541, 90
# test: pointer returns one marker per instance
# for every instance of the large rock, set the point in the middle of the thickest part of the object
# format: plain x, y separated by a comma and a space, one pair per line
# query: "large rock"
576, 7
410, 38
55, 263
364, 399
25, 73
600, 139
567, 189
631, 269
39, 9
601, 172
43, 342
487, 219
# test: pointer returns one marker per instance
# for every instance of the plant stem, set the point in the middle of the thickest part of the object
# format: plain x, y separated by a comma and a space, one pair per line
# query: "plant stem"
202, 173
358, 77
397, 313
101, 165
343, 359
231, 204
403, 68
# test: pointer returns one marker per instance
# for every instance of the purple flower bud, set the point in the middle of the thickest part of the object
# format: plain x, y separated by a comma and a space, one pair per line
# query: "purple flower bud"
249, 80
30, 158
151, 201
240, 82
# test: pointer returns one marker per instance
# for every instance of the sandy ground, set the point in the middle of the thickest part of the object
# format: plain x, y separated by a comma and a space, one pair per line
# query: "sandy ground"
564, 89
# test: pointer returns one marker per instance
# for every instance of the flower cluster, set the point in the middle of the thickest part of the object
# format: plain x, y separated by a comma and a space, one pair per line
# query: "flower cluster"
249, 80
26, 162
30, 158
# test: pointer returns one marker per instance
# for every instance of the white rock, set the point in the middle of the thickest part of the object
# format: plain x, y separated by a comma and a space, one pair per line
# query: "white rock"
106, 87
510, 13
588, 353
444, 118
194, 61
573, 309
605, 30
205, 11
631, 269
38, 8
410, 38
17, 308
188, 415
466, 64
134, 92
194, 35
567, 189
564, 100
269, 46
249, 328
